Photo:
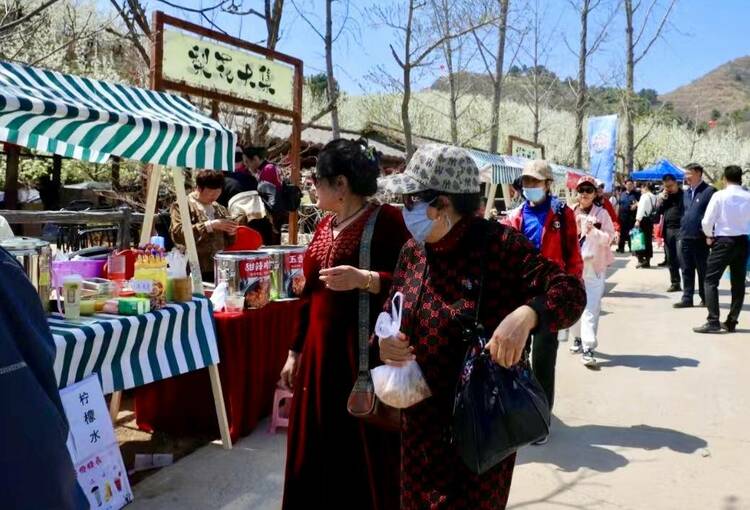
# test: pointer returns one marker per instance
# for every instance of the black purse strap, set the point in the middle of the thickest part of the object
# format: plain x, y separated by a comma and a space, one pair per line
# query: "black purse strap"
364, 295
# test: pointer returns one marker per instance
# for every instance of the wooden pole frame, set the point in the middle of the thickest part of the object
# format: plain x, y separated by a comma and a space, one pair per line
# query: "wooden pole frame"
158, 82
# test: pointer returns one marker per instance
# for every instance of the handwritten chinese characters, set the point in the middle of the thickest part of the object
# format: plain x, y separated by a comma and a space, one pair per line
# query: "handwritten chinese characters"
209, 65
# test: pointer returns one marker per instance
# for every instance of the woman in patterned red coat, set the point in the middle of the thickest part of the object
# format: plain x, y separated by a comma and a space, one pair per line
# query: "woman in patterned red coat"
439, 273
333, 459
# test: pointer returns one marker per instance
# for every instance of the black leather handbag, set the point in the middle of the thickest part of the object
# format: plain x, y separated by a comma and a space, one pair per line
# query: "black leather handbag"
496, 410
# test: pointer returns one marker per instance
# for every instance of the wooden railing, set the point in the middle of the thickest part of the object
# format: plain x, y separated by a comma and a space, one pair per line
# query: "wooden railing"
123, 218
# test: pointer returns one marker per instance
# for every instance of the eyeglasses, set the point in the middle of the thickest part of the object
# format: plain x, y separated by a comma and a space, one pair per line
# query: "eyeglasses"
427, 197
586, 190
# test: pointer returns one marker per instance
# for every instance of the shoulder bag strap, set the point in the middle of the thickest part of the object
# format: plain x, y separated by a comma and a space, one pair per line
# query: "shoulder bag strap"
364, 295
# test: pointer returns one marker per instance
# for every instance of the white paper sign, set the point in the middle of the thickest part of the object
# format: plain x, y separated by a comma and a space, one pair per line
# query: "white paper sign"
93, 446
142, 286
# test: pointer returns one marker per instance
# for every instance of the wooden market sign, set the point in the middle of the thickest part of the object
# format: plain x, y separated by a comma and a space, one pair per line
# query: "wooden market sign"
213, 66
525, 148
194, 60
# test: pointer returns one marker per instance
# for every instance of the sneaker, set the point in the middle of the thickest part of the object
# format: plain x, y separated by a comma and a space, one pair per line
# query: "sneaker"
588, 359
576, 346
683, 304
709, 328
541, 441
729, 326
675, 287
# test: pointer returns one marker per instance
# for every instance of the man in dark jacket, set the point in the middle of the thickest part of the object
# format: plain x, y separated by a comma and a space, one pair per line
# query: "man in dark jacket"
671, 206
694, 250
36, 468
626, 209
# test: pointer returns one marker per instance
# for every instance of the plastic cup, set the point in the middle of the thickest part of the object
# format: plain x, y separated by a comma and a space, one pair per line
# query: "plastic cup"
72, 285
235, 303
116, 267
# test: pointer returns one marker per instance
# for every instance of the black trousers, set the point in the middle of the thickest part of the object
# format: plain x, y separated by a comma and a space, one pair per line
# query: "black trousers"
694, 257
732, 252
626, 225
543, 360
647, 227
671, 244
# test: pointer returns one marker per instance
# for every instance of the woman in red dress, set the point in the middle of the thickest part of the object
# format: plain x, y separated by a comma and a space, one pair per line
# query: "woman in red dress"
439, 274
333, 459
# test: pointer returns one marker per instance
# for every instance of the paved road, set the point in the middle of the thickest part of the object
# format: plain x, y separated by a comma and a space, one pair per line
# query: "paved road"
662, 425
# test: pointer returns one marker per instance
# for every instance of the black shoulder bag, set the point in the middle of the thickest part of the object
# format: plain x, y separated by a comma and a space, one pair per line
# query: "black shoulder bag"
496, 410
363, 403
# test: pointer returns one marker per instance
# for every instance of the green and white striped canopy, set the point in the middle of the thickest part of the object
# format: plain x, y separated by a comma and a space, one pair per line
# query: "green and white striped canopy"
92, 120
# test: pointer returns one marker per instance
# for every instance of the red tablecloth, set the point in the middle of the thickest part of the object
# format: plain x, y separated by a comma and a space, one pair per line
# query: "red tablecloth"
253, 347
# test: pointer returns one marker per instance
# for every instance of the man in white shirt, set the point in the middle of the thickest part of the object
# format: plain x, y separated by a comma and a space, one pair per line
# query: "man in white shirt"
726, 225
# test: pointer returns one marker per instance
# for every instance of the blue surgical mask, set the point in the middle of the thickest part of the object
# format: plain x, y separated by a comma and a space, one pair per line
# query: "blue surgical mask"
417, 222
534, 195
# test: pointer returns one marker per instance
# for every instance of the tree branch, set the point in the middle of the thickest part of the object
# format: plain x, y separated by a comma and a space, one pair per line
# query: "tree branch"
657, 34
424, 54
306, 20
133, 35
10, 26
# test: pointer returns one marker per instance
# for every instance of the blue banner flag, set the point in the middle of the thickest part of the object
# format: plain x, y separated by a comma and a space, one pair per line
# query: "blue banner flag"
602, 133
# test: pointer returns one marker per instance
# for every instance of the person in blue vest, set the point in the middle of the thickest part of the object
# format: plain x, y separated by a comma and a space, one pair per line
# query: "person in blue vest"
693, 247
36, 471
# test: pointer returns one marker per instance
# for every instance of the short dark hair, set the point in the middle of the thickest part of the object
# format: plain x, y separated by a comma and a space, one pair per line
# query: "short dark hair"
251, 151
696, 167
669, 177
629, 180
647, 185
210, 179
733, 174
353, 159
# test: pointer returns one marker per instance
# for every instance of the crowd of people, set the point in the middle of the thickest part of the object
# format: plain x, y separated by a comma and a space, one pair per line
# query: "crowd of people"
538, 271
704, 231
432, 253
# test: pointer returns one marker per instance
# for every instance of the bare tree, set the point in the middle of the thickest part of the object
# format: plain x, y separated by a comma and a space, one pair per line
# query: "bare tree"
417, 42
584, 9
495, 72
332, 89
637, 46
133, 16
538, 82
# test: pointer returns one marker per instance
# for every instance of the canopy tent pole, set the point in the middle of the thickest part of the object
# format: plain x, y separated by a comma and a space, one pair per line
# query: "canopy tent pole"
152, 195
491, 191
12, 161
195, 272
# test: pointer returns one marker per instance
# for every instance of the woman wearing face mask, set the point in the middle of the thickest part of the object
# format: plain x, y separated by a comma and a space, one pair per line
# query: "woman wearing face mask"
550, 226
439, 273
595, 233
333, 459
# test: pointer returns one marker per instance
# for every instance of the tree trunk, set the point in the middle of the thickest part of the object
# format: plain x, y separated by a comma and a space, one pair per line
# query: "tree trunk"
409, 145
629, 88
498, 83
581, 91
273, 15
331, 81
452, 85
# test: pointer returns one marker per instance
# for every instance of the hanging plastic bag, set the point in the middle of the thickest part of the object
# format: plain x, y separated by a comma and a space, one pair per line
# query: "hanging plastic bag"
402, 386
637, 240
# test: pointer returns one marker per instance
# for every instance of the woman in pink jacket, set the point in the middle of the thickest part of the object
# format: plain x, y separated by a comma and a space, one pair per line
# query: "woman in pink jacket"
595, 235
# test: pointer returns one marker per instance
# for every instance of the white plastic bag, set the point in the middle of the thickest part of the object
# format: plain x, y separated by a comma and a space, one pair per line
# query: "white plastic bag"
219, 296
400, 387
403, 386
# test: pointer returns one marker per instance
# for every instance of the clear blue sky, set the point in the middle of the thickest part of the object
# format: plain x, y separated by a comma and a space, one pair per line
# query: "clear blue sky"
702, 35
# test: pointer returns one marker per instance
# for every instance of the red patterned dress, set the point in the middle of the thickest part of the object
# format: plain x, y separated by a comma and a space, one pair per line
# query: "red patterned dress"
440, 283
333, 459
